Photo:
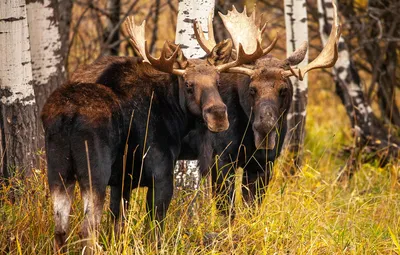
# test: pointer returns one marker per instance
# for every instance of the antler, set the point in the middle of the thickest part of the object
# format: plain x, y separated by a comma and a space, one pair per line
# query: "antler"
248, 47
246, 32
137, 36
206, 44
328, 55
138, 41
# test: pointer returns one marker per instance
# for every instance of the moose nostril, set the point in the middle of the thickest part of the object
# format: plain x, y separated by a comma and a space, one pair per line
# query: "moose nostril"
221, 110
217, 110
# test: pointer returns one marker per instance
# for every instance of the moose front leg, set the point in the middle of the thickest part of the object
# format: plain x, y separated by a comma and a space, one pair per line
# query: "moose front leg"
159, 195
119, 199
254, 183
224, 189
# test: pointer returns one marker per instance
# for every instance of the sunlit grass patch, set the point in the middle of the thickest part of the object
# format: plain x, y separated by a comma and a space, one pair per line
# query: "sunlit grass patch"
311, 213
306, 214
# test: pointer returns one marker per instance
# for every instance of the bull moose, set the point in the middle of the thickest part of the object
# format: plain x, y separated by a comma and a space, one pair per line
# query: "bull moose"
257, 96
120, 122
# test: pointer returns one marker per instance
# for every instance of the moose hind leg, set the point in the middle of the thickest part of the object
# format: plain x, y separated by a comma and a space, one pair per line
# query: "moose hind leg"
93, 201
62, 200
92, 156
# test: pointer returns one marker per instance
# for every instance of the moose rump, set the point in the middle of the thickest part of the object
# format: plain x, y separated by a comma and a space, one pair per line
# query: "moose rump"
81, 143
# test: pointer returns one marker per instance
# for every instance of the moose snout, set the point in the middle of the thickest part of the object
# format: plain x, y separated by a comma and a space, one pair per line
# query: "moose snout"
264, 138
216, 117
266, 115
264, 125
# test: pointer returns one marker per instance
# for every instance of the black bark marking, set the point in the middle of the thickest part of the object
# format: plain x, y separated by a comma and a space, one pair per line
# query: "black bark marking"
12, 19
188, 20
28, 98
5, 92
34, 1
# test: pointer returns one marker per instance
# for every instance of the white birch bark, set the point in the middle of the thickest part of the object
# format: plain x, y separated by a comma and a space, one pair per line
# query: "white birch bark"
353, 89
190, 10
187, 172
45, 41
17, 102
15, 56
296, 34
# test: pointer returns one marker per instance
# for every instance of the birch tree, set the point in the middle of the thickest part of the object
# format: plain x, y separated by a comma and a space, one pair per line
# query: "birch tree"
187, 172
190, 10
369, 134
17, 106
296, 34
111, 34
48, 70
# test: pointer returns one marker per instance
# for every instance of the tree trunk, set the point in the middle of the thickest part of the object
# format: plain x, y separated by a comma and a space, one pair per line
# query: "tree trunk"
187, 172
48, 70
64, 15
383, 59
155, 27
370, 136
190, 10
17, 107
296, 33
111, 34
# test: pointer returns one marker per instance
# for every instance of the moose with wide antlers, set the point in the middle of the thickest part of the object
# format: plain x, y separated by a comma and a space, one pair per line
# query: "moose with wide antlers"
260, 96
122, 121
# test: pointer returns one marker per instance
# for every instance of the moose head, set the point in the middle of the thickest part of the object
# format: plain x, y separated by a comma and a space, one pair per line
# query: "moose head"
198, 78
268, 96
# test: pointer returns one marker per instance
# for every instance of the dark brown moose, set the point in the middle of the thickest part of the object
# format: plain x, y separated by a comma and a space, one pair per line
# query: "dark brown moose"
258, 98
121, 122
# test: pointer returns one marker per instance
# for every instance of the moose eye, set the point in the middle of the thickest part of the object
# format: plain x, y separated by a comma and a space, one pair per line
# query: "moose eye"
283, 92
252, 91
189, 88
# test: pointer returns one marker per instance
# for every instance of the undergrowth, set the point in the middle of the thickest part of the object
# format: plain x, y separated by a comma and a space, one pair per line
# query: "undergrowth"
310, 213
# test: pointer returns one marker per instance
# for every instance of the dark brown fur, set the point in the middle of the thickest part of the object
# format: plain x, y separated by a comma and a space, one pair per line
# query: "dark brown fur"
86, 125
257, 109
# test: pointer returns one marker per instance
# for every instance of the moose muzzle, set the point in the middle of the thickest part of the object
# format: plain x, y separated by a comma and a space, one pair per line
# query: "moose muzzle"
216, 117
265, 124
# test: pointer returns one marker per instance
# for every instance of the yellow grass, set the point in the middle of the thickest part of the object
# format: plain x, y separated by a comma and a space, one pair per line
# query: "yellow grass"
311, 213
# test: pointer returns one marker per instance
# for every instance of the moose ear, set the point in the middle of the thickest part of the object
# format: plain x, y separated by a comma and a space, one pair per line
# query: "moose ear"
298, 55
221, 53
181, 61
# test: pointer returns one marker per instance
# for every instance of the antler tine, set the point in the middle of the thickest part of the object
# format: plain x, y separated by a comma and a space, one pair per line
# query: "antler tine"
242, 58
211, 36
328, 55
272, 44
137, 36
164, 63
241, 70
206, 44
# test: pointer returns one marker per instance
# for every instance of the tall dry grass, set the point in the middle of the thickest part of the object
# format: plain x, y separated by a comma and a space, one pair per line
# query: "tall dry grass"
311, 213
